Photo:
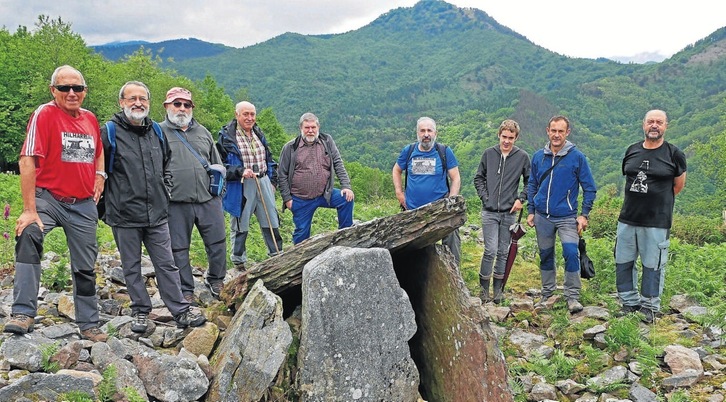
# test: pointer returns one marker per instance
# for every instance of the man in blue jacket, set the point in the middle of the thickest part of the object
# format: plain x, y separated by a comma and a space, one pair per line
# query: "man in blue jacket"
558, 171
251, 181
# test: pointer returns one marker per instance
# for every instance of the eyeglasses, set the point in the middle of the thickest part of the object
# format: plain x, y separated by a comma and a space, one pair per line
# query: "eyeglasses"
135, 99
67, 88
179, 104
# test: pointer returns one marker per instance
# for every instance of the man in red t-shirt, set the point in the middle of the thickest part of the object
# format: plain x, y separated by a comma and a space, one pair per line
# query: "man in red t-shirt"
61, 179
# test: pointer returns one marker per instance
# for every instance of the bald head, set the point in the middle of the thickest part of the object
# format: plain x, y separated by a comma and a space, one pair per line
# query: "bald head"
246, 115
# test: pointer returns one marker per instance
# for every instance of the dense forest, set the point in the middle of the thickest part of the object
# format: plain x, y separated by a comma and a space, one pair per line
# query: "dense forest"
370, 85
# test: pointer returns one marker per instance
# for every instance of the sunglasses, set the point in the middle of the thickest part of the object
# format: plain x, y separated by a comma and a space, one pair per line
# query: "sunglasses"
179, 104
67, 88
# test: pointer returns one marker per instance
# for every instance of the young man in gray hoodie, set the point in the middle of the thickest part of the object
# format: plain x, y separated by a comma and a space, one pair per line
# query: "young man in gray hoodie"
497, 184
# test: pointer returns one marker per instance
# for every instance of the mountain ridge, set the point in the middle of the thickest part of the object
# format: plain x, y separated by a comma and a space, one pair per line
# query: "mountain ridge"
468, 72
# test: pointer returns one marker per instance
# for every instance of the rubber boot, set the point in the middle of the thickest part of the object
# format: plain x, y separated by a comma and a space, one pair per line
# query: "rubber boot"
484, 293
498, 290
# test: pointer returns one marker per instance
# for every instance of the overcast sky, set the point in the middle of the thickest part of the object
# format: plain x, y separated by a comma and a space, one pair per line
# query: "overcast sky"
577, 28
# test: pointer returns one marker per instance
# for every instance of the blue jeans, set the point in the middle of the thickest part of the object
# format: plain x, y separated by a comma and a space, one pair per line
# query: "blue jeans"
652, 246
495, 228
303, 211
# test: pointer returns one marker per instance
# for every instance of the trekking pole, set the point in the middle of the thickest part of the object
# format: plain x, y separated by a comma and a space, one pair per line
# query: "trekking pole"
255, 169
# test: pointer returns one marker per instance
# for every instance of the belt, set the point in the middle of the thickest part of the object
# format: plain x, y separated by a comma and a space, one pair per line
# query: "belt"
68, 200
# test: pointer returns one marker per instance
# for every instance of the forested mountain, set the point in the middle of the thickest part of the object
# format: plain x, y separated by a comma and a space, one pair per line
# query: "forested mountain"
172, 50
461, 67
368, 86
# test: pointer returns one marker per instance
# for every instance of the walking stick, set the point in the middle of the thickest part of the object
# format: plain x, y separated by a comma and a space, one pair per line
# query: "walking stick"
255, 169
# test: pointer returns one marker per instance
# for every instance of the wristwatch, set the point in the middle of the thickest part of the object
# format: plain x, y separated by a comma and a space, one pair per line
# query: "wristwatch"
102, 174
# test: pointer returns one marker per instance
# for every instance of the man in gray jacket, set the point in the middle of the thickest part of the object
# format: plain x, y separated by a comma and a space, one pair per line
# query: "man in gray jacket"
308, 166
497, 184
190, 201
137, 202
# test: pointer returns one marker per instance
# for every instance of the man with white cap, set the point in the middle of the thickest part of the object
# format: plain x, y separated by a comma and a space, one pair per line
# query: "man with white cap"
190, 200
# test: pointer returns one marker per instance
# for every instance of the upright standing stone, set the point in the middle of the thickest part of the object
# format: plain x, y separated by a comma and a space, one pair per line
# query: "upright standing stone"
253, 349
454, 349
355, 329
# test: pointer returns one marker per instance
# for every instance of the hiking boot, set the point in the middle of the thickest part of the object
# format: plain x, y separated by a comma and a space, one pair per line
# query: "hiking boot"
214, 287
94, 334
190, 318
625, 310
574, 306
139, 324
190, 298
648, 315
20, 324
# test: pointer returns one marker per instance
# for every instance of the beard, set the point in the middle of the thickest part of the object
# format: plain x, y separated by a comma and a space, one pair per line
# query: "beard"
180, 119
310, 141
654, 135
426, 146
136, 115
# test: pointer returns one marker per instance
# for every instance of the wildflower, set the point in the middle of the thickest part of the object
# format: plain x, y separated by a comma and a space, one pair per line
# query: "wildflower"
6, 235
6, 215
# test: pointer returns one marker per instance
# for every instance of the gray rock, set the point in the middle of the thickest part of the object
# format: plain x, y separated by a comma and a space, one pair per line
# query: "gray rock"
530, 344
686, 378
610, 376
569, 387
170, 378
253, 349
24, 351
590, 333
62, 330
356, 325
46, 387
126, 373
639, 393
542, 391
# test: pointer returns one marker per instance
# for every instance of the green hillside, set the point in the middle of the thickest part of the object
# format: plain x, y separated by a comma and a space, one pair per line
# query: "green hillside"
468, 72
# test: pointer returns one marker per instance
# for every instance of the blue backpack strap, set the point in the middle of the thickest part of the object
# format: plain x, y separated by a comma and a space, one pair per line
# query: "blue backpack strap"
111, 132
157, 129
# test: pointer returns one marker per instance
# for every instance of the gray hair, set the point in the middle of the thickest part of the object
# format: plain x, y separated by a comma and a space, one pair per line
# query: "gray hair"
425, 119
137, 83
54, 76
309, 117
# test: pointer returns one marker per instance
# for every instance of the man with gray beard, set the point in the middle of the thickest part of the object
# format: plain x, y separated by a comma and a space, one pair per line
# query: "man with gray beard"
432, 173
137, 204
190, 201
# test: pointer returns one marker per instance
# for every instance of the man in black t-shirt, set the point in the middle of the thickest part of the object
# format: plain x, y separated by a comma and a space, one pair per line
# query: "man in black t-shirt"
655, 172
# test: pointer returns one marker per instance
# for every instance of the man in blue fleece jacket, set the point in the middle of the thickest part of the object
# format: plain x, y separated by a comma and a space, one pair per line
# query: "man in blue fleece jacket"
558, 171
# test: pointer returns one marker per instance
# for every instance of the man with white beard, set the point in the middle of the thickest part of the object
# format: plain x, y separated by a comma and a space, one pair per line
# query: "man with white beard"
432, 173
137, 204
190, 200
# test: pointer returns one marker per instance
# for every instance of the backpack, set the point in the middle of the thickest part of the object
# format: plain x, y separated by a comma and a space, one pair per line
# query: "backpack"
111, 131
441, 148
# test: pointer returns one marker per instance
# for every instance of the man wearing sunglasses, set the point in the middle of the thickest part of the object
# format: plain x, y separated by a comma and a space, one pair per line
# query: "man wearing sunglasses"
137, 207
61, 179
191, 202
